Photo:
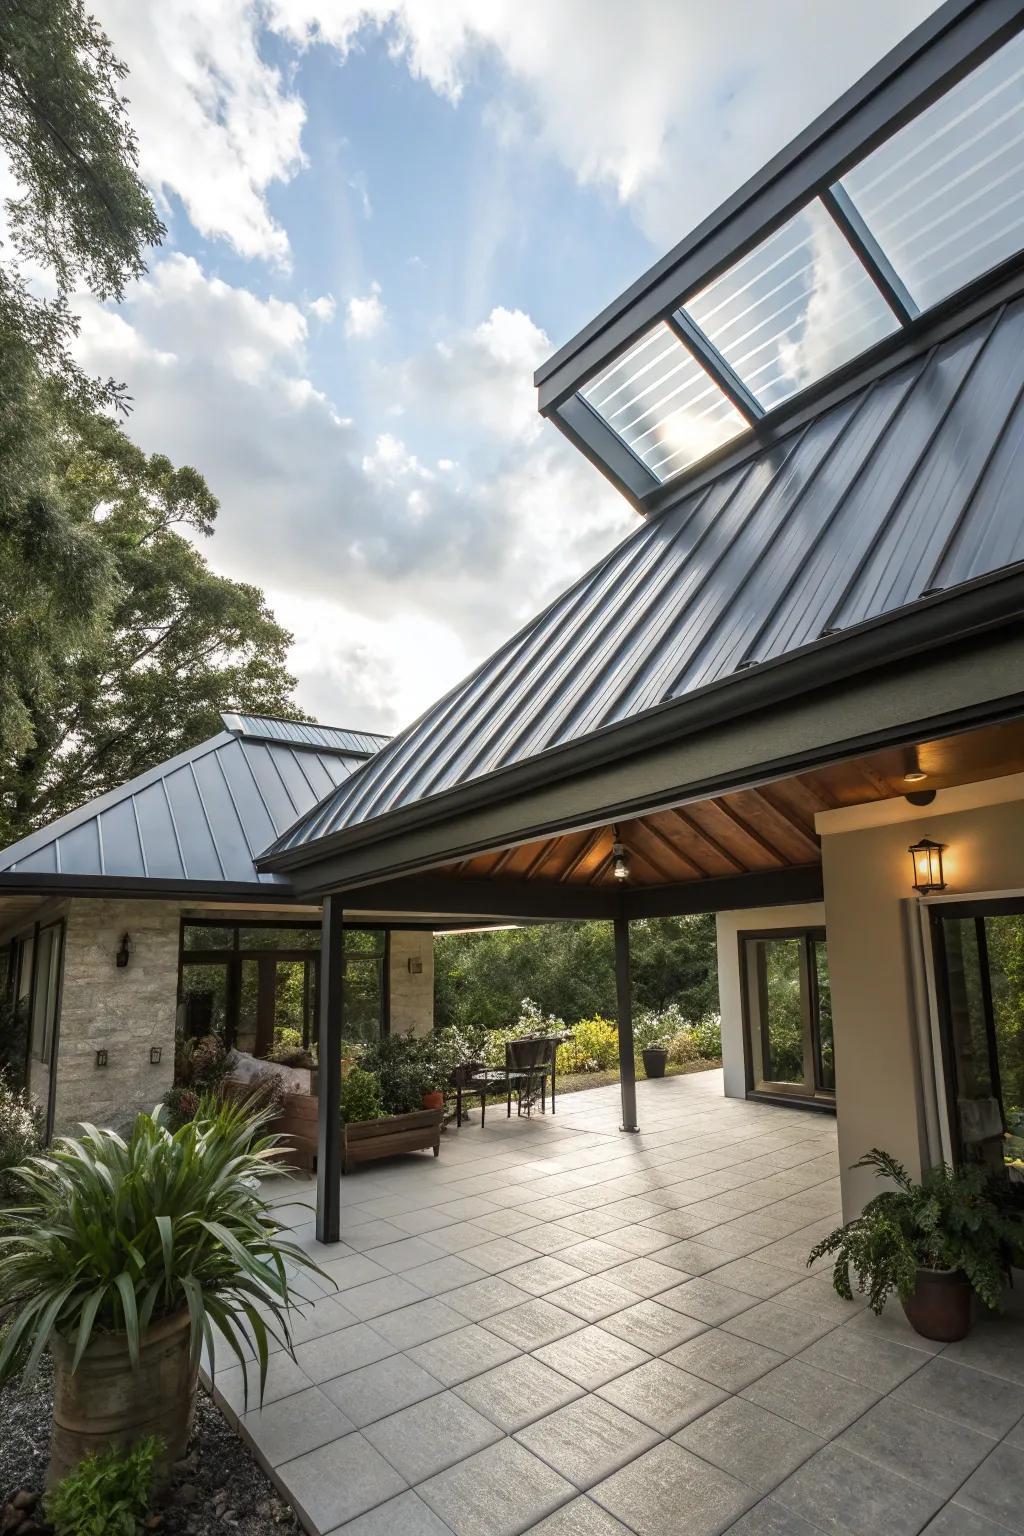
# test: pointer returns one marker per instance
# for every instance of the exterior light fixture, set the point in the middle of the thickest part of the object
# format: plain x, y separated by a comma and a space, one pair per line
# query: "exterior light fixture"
620, 862
101, 1058
927, 860
155, 1053
915, 777
415, 965
124, 952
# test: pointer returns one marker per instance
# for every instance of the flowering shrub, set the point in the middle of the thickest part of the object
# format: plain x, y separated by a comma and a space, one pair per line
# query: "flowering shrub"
708, 1037
21, 1133
533, 1021
682, 1048
593, 1048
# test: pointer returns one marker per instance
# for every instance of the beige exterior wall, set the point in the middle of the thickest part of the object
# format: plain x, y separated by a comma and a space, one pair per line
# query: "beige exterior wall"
411, 982
729, 926
883, 1081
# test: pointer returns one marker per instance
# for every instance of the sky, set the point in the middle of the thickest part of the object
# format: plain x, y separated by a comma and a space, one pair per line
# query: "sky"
381, 218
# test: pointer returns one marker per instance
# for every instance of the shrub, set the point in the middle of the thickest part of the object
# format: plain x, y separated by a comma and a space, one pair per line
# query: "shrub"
402, 1067
707, 1036
21, 1134
360, 1096
948, 1221
286, 1040
116, 1234
650, 1029
106, 1494
534, 1021
682, 1048
200, 1067
594, 1047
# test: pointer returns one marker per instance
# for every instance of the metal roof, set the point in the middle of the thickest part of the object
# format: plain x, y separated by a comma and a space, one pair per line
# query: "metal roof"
305, 733
908, 485
204, 815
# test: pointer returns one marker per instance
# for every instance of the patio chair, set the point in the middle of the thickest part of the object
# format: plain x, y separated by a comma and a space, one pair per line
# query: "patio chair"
531, 1061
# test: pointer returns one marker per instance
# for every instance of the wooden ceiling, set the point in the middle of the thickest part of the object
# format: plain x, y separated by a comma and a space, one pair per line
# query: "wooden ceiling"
767, 828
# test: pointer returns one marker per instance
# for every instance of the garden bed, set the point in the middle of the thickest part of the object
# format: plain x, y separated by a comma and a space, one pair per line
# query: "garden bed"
218, 1487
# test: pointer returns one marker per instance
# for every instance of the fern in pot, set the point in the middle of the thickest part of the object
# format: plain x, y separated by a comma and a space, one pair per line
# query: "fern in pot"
933, 1243
122, 1257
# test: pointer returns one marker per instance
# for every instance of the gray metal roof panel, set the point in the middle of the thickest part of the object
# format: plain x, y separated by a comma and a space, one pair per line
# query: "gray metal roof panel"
910, 483
304, 733
203, 815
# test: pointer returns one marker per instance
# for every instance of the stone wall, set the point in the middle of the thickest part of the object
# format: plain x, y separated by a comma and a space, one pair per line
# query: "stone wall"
411, 990
124, 1011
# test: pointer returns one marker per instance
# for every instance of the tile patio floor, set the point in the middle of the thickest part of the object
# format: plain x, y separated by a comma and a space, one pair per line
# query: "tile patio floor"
558, 1328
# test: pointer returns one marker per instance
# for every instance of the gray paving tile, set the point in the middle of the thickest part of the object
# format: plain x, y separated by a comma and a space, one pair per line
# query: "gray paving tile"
447, 1273
587, 1440
816, 1400
497, 1254
312, 1321
467, 1352
957, 1520
483, 1298
651, 1492
645, 1277
407, 1254
459, 1236
501, 1491
996, 1489
754, 1277
293, 1425
779, 1326
641, 1240
724, 1359
693, 1257
594, 1255
346, 1350
934, 1452
542, 1275
874, 1362
817, 1294
771, 1519
380, 1296
406, 1515
995, 1344
375, 1391
417, 1323
706, 1300
533, 1323
581, 1517
652, 1327
594, 1297
662, 1395
986, 1403
752, 1444
893, 1327
848, 1496
284, 1377
516, 1394
429, 1436
352, 1270
545, 1236
339, 1481
591, 1357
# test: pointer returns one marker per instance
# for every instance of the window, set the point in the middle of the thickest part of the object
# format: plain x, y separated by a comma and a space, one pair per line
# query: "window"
788, 1013
46, 991
364, 983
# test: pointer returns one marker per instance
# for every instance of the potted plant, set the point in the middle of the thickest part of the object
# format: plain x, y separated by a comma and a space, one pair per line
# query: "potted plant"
123, 1258
934, 1243
650, 1037
371, 1125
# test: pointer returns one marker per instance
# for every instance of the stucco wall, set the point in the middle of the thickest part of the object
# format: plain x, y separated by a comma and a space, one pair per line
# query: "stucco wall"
729, 925
123, 1011
412, 991
867, 875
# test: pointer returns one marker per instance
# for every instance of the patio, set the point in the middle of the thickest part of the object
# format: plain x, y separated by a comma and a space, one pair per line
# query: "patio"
560, 1328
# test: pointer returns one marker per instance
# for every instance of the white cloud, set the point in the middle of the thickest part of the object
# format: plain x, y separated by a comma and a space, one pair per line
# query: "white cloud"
365, 316
323, 309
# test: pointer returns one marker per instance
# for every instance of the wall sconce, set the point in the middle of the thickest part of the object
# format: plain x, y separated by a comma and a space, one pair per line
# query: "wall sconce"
155, 1053
620, 862
415, 965
927, 860
101, 1058
124, 952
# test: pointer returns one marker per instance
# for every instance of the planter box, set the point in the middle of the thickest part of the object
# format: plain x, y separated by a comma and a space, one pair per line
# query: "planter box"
362, 1140
297, 1123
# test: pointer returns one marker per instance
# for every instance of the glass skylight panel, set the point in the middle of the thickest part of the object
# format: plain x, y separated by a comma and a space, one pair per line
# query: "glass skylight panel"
659, 400
944, 197
798, 306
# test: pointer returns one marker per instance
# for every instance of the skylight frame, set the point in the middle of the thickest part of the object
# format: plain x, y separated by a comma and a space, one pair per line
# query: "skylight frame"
945, 49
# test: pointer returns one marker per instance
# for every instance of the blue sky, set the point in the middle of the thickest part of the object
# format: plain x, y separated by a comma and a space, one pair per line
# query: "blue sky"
381, 218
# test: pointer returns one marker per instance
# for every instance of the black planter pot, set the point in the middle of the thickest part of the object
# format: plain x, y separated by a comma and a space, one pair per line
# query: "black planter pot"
655, 1060
940, 1305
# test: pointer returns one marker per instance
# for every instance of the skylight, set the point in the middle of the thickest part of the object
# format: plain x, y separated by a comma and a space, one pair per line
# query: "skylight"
935, 207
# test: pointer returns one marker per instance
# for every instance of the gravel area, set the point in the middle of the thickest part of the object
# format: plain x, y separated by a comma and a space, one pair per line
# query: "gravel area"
217, 1488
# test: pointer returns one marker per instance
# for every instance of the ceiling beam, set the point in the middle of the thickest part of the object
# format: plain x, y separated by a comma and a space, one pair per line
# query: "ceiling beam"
709, 840
756, 888
744, 827
805, 837
697, 873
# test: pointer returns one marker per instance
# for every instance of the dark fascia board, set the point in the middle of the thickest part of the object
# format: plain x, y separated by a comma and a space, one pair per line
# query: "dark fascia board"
988, 603
143, 887
933, 57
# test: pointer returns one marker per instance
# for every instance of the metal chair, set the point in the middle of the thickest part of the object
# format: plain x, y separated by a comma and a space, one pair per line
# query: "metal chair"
531, 1060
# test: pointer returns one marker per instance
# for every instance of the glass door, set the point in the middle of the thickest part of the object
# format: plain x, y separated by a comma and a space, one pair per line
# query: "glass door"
979, 953
788, 1014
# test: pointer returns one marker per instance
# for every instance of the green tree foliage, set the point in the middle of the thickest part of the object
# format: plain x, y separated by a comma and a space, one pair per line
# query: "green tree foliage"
481, 979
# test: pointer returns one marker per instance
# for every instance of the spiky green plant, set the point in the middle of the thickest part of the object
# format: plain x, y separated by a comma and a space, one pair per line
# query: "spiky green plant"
947, 1221
112, 1235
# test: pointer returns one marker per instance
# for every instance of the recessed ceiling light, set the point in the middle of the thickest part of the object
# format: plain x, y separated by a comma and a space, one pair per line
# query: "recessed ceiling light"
917, 777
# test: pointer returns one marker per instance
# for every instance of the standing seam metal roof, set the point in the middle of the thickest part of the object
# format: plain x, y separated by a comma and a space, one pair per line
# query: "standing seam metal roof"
204, 815
905, 487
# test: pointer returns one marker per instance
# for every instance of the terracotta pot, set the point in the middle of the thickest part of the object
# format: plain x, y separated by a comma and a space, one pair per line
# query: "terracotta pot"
433, 1100
108, 1403
655, 1060
940, 1307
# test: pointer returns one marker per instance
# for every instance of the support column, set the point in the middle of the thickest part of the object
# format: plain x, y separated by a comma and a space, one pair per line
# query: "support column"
624, 994
328, 1165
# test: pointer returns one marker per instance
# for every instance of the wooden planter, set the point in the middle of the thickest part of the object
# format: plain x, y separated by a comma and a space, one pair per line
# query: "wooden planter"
362, 1140
297, 1123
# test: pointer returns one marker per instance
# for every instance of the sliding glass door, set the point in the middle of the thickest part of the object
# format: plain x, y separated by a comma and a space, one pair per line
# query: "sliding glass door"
788, 1014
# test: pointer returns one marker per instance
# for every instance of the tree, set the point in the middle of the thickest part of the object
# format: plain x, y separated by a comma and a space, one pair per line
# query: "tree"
569, 969
174, 643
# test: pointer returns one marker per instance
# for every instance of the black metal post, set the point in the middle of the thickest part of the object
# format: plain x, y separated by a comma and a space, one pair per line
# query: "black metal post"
328, 1165
623, 988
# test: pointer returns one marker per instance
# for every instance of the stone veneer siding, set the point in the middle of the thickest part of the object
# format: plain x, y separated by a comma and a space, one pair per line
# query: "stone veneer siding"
122, 1011
411, 993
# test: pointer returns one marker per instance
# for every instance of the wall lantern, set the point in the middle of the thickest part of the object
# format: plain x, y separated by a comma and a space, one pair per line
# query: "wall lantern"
927, 860
620, 862
155, 1053
415, 965
124, 952
101, 1058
